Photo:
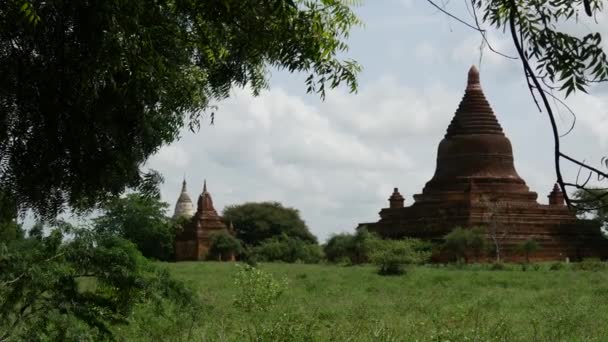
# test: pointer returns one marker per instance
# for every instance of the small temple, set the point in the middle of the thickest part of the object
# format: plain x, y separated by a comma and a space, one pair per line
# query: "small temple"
476, 185
194, 241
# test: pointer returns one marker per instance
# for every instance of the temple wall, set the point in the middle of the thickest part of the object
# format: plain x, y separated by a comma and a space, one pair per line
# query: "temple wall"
186, 250
557, 231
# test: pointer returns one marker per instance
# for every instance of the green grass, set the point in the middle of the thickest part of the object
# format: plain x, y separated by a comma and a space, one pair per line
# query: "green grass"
326, 302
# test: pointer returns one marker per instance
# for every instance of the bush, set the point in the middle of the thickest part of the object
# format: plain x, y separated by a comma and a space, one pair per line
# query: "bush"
355, 248
224, 246
81, 285
464, 243
338, 247
140, 219
288, 249
391, 256
497, 266
556, 266
590, 264
257, 290
528, 247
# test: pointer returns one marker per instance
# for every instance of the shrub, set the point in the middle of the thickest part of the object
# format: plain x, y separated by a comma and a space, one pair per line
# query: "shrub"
224, 245
140, 219
257, 290
391, 256
339, 247
497, 266
464, 243
590, 264
81, 285
249, 257
528, 247
288, 249
556, 266
354, 247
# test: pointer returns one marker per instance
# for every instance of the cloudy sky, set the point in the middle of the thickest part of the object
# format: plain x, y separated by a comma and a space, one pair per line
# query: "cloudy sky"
337, 161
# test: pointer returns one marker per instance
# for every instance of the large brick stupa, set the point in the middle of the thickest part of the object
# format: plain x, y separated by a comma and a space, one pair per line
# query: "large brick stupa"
476, 184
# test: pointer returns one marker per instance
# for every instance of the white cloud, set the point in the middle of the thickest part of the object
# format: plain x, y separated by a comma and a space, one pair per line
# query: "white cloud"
171, 156
426, 52
592, 113
389, 110
335, 161
470, 50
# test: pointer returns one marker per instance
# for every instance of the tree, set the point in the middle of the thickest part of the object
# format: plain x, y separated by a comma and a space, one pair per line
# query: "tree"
37, 231
140, 219
357, 247
338, 247
224, 246
465, 243
288, 249
391, 256
528, 247
593, 202
93, 88
255, 222
59, 289
499, 224
551, 59
10, 230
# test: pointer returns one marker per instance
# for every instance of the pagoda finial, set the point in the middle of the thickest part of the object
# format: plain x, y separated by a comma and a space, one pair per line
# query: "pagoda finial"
556, 197
396, 200
204, 186
473, 80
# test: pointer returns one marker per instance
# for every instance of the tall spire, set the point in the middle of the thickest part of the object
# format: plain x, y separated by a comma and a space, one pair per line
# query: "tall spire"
474, 156
474, 114
184, 184
556, 197
396, 200
205, 203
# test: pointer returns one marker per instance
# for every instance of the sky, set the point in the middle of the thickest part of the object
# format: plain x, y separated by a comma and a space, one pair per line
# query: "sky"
337, 161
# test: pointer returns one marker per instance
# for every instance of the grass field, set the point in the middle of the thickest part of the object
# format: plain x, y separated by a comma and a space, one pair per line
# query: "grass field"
336, 303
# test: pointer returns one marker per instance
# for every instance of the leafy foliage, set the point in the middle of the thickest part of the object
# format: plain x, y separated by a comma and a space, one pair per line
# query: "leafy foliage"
593, 202
528, 247
568, 61
140, 219
338, 247
93, 88
258, 290
288, 249
354, 247
590, 264
391, 256
465, 243
223, 245
256, 222
10, 230
77, 289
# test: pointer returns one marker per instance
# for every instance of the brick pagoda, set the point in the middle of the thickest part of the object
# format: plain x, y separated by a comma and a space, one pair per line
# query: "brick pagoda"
476, 184
194, 241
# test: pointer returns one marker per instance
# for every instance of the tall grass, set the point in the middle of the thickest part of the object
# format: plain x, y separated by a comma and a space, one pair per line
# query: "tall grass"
430, 303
